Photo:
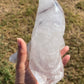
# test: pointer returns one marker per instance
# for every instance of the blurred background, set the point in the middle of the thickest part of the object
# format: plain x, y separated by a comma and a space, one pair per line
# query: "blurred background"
17, 18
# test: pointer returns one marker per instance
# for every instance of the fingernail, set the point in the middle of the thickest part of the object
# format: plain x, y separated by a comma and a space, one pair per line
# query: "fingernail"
18, 42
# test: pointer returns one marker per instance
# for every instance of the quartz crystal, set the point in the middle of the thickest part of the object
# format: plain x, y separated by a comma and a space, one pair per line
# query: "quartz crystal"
46, 43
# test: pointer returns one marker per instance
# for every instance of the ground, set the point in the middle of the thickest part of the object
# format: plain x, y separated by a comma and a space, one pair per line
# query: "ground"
17, 19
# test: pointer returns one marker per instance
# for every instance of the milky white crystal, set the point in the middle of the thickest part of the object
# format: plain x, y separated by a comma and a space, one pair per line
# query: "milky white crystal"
46, 43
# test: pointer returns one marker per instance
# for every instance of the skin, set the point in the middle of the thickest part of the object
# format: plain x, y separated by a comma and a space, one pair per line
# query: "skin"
23, 72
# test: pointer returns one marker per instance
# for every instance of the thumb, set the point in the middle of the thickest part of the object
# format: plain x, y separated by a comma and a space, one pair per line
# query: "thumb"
21, 60
22, 53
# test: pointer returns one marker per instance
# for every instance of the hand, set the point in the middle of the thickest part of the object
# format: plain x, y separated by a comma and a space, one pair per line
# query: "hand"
23, 73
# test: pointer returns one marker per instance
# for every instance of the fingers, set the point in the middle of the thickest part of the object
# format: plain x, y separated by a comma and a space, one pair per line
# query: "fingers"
21, 61
66, 59
64, 50
22, 52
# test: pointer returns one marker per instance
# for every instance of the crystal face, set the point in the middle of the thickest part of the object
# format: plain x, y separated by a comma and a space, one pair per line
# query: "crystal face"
46, 43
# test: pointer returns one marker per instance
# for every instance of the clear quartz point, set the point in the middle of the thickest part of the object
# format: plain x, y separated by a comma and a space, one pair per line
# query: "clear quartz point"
46, 43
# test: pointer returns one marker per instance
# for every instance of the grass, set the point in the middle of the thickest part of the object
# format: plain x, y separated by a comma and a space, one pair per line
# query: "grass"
17, 19
80, 5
